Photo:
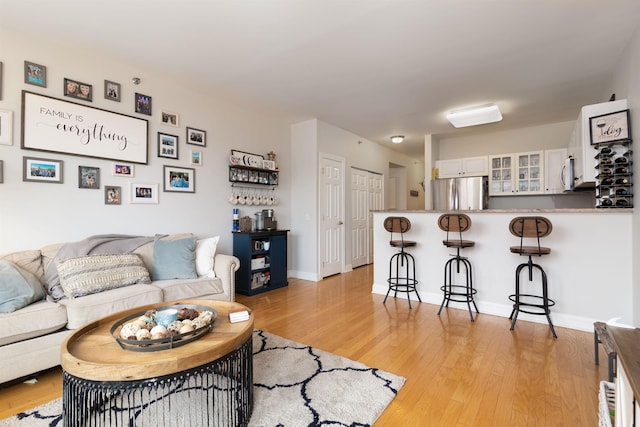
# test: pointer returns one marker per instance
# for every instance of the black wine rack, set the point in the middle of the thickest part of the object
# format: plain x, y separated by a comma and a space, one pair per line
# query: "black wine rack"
614, 178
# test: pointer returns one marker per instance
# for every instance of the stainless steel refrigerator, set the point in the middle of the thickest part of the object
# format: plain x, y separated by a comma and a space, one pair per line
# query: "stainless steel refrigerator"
452, 194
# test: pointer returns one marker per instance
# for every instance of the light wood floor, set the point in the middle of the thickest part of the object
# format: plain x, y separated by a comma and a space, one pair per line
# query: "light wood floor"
458, 373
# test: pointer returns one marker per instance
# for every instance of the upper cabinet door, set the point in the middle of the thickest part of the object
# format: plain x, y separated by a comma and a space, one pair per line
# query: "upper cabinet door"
475, 166
530, 173
449, 168
501, 175
469, 166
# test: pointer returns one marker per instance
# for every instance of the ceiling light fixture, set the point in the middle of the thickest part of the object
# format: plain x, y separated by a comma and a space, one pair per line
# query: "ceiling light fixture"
481, 115
397, 139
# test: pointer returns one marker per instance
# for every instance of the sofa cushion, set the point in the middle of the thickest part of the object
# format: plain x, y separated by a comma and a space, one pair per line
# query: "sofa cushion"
97, 273
146, 251
34, 320
95, 306
18, 287
178, 289
205, 253
30, 260
174, 259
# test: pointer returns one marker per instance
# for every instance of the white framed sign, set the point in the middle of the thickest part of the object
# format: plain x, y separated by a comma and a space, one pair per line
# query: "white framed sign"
51, 124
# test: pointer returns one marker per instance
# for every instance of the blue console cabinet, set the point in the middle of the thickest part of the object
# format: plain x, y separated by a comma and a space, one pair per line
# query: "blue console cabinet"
263, 260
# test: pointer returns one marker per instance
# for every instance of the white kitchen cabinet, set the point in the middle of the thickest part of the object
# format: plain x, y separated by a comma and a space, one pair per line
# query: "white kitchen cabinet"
580, 147
517, 174
554, 162
468, 166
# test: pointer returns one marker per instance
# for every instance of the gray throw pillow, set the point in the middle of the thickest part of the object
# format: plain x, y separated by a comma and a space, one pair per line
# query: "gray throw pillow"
174, 259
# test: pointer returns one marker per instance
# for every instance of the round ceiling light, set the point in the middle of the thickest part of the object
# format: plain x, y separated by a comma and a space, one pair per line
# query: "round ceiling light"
397, 139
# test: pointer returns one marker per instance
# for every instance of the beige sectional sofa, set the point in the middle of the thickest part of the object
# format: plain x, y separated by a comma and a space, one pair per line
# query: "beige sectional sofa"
30, 337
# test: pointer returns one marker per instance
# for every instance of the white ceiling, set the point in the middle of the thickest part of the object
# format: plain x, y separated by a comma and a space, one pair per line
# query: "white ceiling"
375, 68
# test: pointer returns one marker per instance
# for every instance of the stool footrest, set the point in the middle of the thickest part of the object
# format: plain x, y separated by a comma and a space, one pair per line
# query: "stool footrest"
458, 293
527, 300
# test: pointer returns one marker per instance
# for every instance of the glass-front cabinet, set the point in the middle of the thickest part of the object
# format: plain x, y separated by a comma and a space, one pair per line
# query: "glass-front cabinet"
519, 173
501, 175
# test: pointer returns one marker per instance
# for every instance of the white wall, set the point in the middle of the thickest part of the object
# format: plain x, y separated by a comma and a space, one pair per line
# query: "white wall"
314, 136
35, 214
626, 84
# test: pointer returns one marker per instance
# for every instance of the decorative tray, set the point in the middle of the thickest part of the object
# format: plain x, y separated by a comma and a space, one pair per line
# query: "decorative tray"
163, 332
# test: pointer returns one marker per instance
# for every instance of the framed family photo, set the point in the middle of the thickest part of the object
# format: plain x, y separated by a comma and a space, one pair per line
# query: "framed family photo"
112, 195
42, 170
88, 177
182, 180
78, 90
144, 193
35, 74
167, 145
123, 169
6, 127
143, 104
196, 137
171, 119
112, 91
196, 158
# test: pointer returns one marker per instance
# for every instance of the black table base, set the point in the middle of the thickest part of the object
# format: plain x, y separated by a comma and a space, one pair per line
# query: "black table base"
219, 393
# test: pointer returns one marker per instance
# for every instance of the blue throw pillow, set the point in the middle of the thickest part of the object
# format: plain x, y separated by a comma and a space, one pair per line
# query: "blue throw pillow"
174, 259
18, 287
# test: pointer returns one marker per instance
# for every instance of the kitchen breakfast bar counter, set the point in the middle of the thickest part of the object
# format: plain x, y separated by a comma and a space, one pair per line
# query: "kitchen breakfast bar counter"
589, 268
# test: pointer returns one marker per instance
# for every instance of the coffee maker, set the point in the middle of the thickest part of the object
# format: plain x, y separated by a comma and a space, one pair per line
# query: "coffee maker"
270, 222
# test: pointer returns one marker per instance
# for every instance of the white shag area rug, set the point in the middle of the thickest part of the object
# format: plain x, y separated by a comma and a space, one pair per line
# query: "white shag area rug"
294, 385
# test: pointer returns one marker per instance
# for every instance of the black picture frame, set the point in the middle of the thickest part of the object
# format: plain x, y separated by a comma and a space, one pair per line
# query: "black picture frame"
610, 127
196, 137
78, 90
167, 146
143, 104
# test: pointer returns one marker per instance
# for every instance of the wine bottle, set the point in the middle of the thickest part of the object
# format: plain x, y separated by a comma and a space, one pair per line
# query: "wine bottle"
622, 161
606, 162
622, 170
607, 181
627, 153
622, 192
605, 150
622, 181
622, 202
606, 202
606, 171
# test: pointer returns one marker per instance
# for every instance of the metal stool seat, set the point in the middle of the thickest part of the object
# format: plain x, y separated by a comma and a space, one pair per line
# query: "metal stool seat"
402, 265
531, 227
457, 292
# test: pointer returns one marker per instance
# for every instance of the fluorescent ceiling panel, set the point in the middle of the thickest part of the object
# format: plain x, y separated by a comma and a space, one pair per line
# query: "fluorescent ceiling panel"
475, 116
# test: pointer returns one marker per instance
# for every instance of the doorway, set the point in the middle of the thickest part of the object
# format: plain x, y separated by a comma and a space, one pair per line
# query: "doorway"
331, 184
366, 195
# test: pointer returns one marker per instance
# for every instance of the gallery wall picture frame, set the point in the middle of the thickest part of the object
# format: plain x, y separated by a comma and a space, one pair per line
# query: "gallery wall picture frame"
143, 193
42, 170
269, 164
143, 104
112, 90
112, 195
123, 169
611, 127
180, 180
89, 177
6, 127
196, 137
170, 119
35, 74
1, 69
196, 157
120, 137
167, 145
1, 171
78, 90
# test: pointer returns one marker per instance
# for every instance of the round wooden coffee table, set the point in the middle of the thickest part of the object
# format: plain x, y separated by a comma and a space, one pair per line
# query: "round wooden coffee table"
205, 382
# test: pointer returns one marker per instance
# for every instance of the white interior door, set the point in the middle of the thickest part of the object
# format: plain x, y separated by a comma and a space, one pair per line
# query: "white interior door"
359, 217
376, 203
331, 215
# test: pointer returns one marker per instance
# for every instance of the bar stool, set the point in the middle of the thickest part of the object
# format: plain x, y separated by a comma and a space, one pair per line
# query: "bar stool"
402, 265
531, 227
457, 292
